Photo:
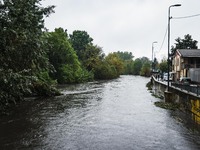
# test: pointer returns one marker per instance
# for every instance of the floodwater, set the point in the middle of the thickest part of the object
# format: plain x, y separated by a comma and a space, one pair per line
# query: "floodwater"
109, 115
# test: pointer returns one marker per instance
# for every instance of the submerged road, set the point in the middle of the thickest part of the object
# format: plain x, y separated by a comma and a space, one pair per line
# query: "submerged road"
108, 115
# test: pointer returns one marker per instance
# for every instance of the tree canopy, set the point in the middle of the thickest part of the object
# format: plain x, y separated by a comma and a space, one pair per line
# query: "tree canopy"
80, 40
125, 55
186, 43
22, 58
21, 24
163, 67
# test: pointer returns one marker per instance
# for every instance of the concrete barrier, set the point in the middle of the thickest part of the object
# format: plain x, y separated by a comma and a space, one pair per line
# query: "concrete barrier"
189, 101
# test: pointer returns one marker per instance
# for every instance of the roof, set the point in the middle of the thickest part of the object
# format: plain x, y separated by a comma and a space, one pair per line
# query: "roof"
189, 52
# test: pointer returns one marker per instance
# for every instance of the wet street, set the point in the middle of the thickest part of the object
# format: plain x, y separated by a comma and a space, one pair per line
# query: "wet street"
108, 115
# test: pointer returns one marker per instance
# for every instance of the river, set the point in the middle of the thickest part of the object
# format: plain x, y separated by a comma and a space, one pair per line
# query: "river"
106, 115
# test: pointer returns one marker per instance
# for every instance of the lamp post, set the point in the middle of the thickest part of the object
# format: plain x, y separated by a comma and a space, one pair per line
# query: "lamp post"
169, 17
152, 55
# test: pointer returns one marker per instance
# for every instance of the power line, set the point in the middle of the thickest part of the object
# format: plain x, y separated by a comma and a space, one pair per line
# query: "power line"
163, 40
167, 27
186, 17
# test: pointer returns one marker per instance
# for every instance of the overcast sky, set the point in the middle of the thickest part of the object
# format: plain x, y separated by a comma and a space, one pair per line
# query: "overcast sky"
127, 25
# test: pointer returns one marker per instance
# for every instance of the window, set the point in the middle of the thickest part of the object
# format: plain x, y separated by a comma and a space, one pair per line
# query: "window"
191, 61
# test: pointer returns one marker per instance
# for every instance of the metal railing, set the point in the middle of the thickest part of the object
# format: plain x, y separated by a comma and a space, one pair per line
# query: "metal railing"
189, 88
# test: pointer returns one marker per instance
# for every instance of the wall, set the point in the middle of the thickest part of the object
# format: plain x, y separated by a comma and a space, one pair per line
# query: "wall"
189, 101
195, 74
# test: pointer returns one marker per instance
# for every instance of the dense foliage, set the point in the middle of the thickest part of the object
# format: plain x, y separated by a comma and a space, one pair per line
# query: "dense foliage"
125, 55
80, 40
163, 65
139, 66
33, 60
67, 68
21, 24
186, 43
22, 58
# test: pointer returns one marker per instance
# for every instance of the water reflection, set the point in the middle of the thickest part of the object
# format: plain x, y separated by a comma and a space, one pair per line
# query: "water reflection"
117, 114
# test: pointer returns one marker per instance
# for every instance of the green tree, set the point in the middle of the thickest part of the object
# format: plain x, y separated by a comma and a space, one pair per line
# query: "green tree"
63, 58
92, 56
128, 67
127, 59
22, 58
186, 43
109, 68
21, 24
163, 65
105, 71
142, 66
145, 70
145, 60
114, 60
137, 66
146, 67
80, 40
155, 64
125, 55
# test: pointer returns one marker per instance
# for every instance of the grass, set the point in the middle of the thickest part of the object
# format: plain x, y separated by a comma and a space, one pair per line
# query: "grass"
149, 85
170, 106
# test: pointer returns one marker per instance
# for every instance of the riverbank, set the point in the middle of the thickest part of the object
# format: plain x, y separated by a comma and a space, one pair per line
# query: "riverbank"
188, 102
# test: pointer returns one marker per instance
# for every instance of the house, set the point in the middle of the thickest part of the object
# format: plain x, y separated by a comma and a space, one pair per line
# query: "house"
186, 63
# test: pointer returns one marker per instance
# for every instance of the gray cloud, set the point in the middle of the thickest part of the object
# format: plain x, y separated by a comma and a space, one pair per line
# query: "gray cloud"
128, 25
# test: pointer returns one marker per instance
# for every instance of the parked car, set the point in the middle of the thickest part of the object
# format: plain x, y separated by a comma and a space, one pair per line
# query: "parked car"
165, 76
185, 80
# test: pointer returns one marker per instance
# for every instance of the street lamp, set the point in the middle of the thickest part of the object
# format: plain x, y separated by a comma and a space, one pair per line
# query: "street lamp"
152, 55
169, 17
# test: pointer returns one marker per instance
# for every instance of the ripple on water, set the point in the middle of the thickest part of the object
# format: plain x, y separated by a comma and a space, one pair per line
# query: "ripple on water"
116, 114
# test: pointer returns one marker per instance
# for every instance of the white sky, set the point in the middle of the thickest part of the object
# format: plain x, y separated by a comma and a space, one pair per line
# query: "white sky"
127, 25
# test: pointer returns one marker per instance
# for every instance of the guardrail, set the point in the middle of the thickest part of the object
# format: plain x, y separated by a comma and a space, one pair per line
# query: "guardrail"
189, 88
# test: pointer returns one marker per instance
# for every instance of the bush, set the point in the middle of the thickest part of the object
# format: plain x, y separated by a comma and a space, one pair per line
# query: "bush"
105, 71
82, 75
15, 86
68, 74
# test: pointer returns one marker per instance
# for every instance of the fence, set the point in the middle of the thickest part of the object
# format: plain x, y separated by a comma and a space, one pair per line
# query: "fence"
189, 88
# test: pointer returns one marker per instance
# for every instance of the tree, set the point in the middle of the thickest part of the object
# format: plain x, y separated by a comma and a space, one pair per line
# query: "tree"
155, 64
186, 43
137, 66
114, 60
22, 58
80, 40
63, 58
92, 56
125, 55
127, 59
128, 67
145, 70
145, 60
105, 71
21, 24
163, 65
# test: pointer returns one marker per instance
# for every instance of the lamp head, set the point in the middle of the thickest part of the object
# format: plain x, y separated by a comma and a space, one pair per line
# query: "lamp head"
176, 5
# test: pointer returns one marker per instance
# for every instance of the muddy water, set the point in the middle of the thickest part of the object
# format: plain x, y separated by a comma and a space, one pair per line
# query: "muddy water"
111, 115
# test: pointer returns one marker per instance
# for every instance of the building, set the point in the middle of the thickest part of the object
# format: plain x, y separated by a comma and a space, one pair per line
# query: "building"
186, 63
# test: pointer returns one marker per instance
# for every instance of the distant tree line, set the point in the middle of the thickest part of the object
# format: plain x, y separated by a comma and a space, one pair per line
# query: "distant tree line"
76, 59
